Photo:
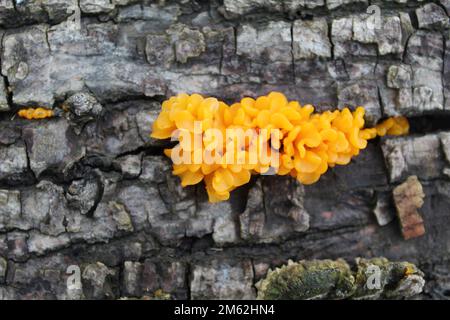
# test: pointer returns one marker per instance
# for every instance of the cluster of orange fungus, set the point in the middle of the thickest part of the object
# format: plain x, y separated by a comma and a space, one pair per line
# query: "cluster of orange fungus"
393, 126
304, 143
35, 113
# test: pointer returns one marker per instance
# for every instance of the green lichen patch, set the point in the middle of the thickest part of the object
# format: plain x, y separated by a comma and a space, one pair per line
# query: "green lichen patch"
314, 279
328, 279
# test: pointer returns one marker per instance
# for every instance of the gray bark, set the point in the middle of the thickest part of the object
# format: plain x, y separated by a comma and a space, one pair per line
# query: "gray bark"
89, 188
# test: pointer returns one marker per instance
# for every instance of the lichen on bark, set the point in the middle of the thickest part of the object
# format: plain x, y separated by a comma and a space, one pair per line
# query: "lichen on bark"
90, 188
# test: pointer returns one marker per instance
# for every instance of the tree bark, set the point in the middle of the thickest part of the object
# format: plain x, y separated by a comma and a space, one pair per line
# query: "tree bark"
88, 193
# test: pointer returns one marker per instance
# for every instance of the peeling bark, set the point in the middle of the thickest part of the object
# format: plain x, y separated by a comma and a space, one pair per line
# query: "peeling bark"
90, 189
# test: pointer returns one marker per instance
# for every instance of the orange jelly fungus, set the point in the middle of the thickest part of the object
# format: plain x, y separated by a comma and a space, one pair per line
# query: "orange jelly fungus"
307, 143
35, 113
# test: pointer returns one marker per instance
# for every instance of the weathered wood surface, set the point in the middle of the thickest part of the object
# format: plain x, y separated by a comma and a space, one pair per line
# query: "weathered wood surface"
89, 188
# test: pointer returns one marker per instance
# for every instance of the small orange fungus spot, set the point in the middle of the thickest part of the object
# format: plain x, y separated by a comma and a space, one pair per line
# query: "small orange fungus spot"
35, 113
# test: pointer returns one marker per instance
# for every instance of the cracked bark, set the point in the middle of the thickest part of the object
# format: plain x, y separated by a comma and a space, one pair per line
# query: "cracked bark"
184, 245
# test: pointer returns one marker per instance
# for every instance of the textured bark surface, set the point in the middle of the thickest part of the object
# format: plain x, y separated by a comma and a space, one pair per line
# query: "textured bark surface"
89, 189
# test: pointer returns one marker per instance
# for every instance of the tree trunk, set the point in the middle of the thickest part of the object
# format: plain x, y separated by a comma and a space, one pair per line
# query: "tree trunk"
88, 195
